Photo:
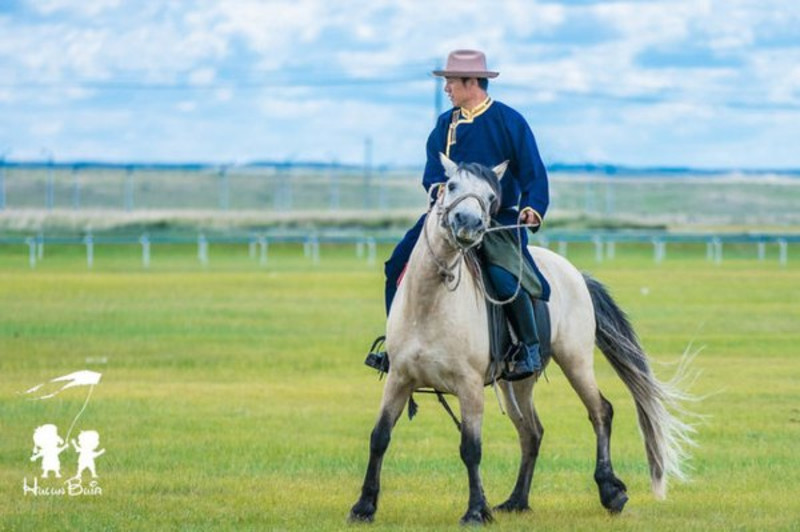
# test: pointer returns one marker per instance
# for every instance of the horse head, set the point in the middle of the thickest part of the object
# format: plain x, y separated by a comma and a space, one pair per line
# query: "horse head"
471, 196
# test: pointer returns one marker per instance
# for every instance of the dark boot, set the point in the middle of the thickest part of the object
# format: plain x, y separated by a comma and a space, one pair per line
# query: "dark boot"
527, 359
377, 358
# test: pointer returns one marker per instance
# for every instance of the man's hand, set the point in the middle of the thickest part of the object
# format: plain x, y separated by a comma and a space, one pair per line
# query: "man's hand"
529, 217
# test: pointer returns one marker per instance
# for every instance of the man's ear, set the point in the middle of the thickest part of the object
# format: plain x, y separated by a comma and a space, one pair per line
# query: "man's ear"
500, 169
449, 166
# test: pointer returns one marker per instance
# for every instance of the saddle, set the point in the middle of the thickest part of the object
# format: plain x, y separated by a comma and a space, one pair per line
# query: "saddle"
502, 341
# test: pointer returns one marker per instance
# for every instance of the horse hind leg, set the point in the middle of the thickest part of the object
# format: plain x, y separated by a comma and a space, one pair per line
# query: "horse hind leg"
521, 410
580, 373
395, 396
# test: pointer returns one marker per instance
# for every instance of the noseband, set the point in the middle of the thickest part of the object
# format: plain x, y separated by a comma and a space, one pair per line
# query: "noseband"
443, 212
451, 273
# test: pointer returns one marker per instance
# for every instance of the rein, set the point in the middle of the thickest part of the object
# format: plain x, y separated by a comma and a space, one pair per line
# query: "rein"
447, 271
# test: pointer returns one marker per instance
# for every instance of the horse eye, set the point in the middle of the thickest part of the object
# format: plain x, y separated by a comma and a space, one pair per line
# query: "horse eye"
451, 186
492, 198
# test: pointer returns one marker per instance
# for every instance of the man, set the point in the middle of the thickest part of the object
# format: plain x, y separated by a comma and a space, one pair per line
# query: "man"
480, 130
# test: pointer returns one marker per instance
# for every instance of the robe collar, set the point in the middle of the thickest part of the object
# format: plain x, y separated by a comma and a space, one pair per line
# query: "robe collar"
470, 114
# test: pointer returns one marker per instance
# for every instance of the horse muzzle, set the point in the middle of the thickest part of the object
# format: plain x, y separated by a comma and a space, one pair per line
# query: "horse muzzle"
467, 228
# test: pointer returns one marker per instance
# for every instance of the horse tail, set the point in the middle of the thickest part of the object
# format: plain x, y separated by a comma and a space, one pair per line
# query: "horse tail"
665, 436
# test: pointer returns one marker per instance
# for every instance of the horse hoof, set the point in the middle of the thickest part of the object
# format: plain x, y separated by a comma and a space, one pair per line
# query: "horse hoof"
477, 517
512, 506
616, 504
362, 513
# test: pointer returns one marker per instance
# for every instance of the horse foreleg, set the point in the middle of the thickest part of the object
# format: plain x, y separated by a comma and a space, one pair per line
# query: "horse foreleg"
612, 490
395, 396
471, 403
530, 432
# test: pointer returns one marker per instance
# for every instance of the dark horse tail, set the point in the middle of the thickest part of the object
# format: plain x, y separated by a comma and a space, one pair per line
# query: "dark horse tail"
665, 436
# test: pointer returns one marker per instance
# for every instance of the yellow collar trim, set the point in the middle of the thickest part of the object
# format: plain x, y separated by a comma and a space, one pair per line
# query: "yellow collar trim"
466, 117
470, 114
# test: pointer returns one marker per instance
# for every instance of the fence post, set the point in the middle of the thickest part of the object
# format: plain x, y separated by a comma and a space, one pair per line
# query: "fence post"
144, 240
611, 249
202, 249
783, 251
40, 245
659, 250
562, 248
598, 248
31, 251
761, 250
89, 241
264, 245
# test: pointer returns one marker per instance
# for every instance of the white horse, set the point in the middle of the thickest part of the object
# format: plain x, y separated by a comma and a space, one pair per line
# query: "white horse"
437, 337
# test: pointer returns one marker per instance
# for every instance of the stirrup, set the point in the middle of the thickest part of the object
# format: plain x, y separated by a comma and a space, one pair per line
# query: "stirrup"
517, 366
377, 358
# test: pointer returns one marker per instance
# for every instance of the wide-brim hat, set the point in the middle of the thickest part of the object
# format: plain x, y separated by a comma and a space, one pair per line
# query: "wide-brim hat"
466, 64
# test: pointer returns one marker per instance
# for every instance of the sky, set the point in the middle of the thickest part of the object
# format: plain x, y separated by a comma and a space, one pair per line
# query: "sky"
701, 83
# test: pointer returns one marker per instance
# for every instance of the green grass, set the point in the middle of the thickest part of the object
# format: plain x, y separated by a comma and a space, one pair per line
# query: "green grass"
234, 396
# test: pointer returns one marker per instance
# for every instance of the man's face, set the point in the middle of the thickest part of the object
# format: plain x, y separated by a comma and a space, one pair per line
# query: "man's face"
457, 91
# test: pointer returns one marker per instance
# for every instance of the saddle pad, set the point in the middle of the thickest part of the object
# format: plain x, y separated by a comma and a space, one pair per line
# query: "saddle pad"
501, 340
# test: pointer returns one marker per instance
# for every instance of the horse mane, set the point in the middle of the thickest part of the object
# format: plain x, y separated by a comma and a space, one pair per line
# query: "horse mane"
486, 173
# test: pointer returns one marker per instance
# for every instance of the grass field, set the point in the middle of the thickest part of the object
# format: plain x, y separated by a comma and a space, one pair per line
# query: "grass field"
234, 397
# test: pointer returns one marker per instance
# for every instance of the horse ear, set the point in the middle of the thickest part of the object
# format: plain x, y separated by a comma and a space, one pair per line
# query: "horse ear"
500, 169
449, 166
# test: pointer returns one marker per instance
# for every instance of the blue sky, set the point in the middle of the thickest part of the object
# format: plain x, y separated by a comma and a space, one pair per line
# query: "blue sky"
645, 83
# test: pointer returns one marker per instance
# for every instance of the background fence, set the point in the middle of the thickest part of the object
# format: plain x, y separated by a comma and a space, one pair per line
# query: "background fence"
654, 196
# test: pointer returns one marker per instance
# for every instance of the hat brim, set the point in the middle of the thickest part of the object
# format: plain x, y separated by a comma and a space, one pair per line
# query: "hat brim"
465, 74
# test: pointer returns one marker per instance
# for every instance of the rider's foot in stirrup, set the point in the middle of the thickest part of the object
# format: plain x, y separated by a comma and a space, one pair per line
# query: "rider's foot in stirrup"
376, 358
526, 362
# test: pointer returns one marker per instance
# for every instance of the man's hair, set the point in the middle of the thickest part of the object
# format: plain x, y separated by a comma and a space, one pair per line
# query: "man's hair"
483, 83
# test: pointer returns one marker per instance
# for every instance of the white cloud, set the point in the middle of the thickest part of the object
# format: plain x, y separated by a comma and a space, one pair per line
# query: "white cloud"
86, 9
202, 76
255, 79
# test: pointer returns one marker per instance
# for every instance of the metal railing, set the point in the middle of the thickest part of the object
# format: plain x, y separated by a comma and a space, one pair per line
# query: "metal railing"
258, 243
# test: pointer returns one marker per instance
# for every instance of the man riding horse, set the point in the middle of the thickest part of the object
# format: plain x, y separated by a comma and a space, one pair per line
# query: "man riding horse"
480, 130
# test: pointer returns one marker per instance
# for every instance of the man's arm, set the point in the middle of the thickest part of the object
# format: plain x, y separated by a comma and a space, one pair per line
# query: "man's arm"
532, 175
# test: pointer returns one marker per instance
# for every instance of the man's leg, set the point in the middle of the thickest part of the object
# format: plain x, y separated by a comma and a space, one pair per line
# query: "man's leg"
520, 314
393, 268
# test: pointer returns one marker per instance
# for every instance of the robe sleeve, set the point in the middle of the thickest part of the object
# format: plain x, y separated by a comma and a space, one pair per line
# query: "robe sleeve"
531, 171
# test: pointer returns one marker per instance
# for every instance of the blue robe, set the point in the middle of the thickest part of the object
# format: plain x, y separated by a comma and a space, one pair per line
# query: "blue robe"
489, 134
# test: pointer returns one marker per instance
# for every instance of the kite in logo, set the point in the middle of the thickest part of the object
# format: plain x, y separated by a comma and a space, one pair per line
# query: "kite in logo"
78, 378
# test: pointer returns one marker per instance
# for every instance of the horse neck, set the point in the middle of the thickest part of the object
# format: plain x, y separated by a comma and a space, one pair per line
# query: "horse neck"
423, 277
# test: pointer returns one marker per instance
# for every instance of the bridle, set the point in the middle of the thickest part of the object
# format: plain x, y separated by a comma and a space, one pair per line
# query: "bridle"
451, 273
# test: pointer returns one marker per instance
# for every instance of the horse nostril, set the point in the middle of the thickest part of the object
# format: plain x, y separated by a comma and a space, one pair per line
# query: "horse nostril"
459, 218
